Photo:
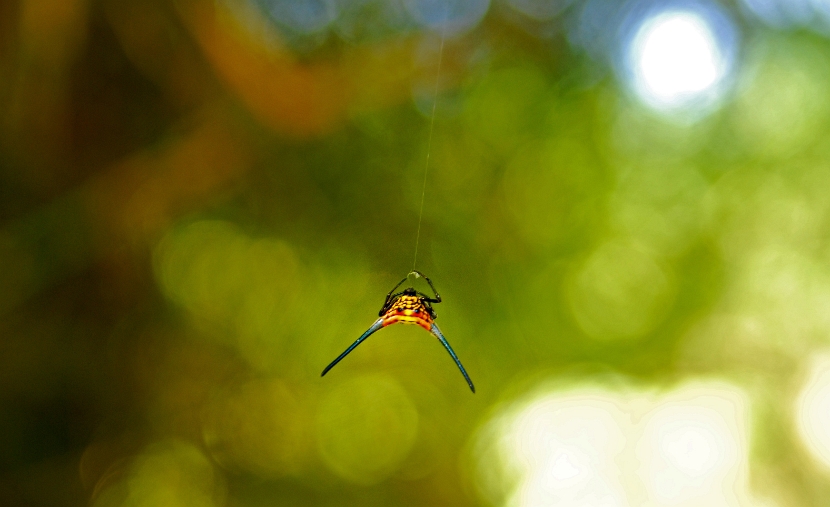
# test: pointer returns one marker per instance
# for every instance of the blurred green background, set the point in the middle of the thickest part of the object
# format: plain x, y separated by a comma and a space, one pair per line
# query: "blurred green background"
625, 210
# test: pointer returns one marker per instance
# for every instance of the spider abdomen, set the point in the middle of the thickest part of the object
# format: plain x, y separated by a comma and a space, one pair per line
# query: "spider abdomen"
408, 310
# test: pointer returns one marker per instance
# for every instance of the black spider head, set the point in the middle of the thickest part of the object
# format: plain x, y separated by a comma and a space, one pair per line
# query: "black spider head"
409, 291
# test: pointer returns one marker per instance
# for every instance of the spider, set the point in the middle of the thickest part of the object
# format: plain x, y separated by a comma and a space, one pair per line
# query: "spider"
408, 307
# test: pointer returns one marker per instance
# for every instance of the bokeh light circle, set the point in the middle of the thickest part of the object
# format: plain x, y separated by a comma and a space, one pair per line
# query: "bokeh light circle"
562, 448
813, 411
366, 427
301, 16
689, 448
260, 427
783, 102
679, 58
449, 16
619, 292
784, 14
540, 9
598, 446
173, 473
676, 56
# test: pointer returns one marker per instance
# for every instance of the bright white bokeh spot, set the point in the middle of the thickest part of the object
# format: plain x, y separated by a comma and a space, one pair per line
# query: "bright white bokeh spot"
678, 56
564, 448
689, 450
563, 468
693, 449
600, 447
676, 60
813, 410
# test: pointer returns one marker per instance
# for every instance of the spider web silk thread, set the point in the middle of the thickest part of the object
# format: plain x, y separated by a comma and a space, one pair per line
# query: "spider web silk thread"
429, 139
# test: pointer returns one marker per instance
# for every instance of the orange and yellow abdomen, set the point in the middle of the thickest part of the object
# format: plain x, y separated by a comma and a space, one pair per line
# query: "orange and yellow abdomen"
408, 310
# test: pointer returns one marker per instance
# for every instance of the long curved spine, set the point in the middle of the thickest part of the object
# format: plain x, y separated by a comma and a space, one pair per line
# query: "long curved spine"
438, 334
374, 327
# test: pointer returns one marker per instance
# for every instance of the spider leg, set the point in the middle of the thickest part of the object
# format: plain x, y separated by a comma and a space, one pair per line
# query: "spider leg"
377, 325
390, 296
437, 332
428, 307
437, 298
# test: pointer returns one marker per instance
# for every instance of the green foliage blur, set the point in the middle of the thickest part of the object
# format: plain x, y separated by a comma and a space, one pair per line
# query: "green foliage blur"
197, 214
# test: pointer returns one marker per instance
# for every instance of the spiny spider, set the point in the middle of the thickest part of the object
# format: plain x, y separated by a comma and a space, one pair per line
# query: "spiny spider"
408, 307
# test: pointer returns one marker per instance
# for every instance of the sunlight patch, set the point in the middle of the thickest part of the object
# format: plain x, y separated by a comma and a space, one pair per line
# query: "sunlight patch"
601, 447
